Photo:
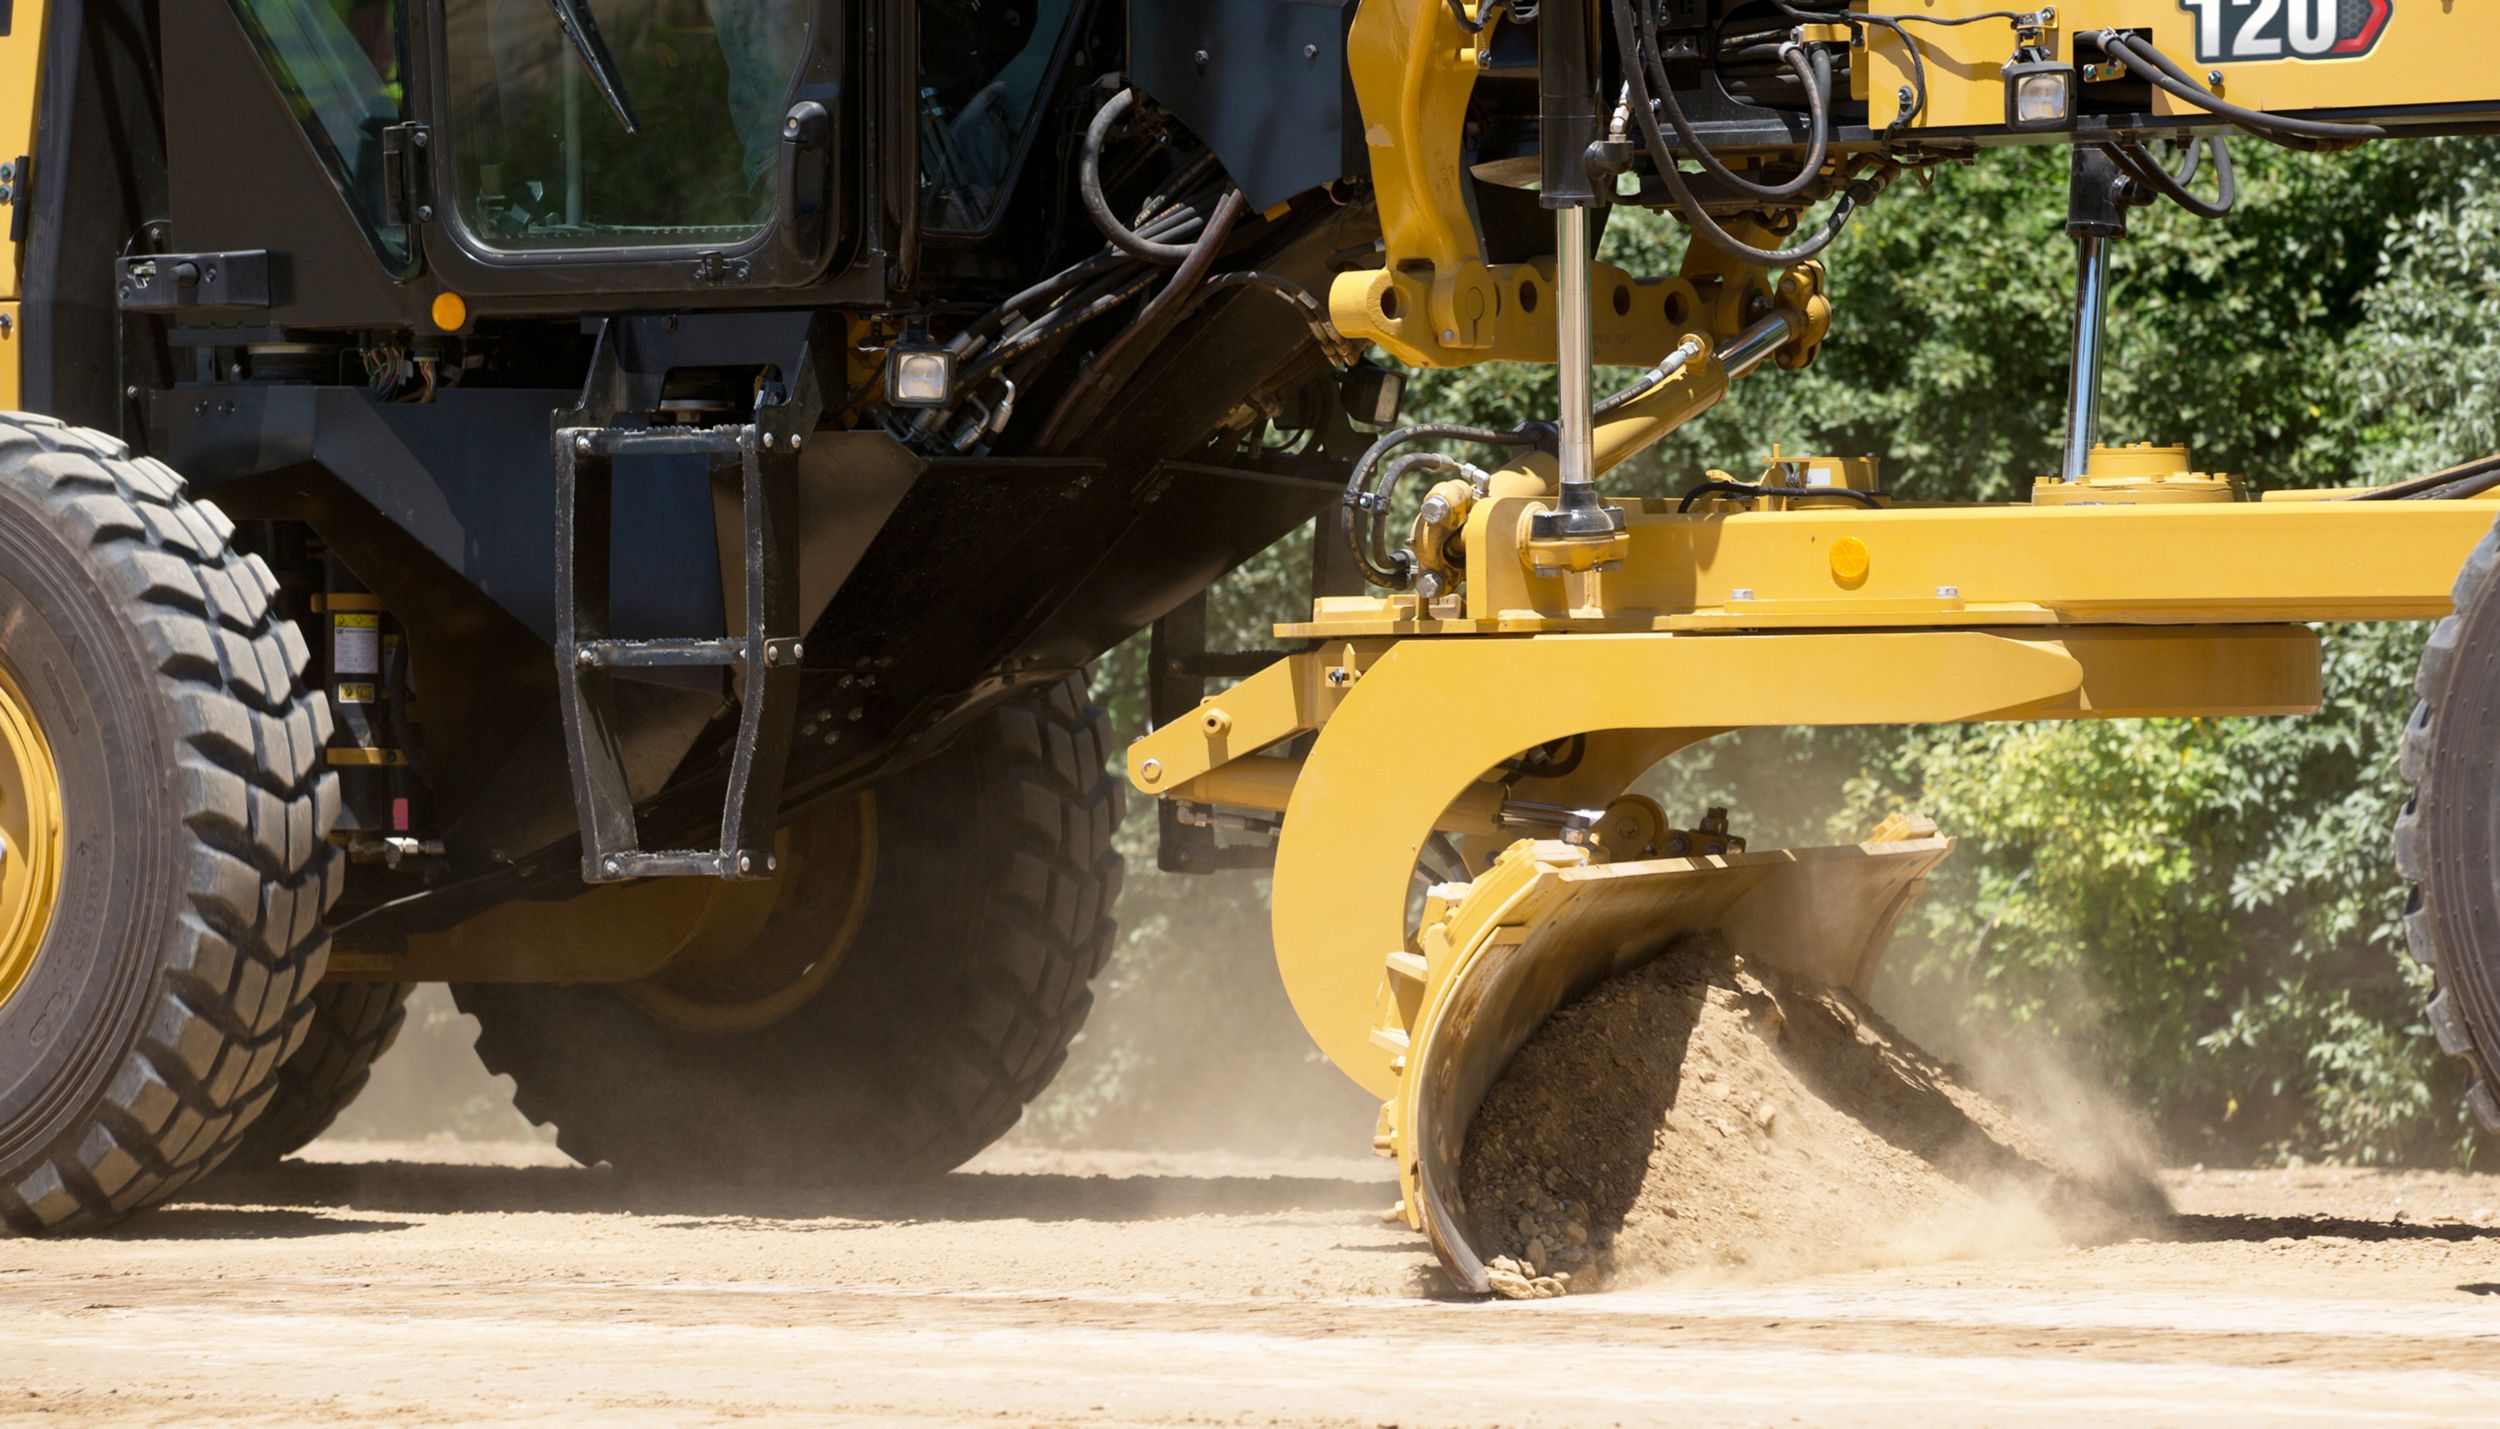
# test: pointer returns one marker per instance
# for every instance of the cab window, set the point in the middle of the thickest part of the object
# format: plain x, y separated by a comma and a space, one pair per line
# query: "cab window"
982, 67
617, 123
340, 64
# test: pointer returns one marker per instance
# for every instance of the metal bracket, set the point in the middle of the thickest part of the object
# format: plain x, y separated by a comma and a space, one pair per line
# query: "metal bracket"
165, 282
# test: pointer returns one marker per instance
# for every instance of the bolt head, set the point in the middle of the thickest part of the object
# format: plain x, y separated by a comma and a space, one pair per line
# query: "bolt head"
613, 864
1150, 770
768, 441
2214, 78
582, 445
746, 863
585, 658
794, 441
798, 650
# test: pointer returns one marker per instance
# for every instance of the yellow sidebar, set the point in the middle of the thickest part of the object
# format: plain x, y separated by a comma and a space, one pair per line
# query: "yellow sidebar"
9, 386
21, 67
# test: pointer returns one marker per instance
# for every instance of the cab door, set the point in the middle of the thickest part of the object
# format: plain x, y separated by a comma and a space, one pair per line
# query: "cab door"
578, 147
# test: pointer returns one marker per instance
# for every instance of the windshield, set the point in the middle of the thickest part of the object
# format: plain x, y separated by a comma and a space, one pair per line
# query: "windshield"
541, 159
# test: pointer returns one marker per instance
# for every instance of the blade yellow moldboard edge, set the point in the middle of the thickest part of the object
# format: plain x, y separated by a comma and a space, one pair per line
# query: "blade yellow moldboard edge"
1545, 925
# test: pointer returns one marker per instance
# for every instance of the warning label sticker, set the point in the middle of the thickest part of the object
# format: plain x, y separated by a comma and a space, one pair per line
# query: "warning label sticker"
355, 645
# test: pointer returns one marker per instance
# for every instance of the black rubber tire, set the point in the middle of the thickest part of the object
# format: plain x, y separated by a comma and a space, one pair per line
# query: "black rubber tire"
352, 1025
989, 912
188, 935
2448, 837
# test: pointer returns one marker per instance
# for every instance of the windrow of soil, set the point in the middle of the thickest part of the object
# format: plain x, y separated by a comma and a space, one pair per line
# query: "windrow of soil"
1705, 1115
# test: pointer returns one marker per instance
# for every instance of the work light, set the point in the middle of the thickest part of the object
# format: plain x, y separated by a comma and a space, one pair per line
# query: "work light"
2039, 92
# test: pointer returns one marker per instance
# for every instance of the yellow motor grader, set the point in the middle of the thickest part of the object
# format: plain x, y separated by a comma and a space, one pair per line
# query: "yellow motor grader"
608, 504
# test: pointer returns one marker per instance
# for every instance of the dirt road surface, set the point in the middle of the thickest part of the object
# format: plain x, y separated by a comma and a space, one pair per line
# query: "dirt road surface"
406, 1285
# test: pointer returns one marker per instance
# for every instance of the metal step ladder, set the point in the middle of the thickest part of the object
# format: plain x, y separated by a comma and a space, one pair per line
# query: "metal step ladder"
763, 455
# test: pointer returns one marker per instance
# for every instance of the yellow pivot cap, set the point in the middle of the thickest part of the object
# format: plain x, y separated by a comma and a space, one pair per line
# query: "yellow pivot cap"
1850, 562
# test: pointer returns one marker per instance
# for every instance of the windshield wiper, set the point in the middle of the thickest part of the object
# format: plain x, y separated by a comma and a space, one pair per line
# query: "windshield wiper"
583, 30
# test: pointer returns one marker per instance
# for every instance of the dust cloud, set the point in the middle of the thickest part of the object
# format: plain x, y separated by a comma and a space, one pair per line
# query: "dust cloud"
1705, 1116
431, 1088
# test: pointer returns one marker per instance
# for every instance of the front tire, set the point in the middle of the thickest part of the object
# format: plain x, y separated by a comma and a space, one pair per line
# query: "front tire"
2448, 838
988, 912
141, 1033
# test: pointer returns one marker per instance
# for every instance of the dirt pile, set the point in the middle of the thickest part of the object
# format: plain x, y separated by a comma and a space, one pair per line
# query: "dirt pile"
1705, 1114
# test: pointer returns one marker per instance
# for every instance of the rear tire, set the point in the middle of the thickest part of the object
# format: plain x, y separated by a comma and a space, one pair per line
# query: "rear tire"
171, 980
351, 1026
989, 912
2448, 838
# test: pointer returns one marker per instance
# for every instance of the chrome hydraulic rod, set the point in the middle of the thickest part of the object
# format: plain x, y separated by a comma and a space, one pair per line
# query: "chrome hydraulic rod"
2083, 383
1575, 346
1755, 345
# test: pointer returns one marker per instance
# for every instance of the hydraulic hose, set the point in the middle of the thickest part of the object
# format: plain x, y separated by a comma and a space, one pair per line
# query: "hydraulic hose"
1636, 79
1748, 491
1361, 496
1815, 74
2471, 479
1054, 325
2155, 68
1647, 382
2148, 171
1141, 335
1098, 206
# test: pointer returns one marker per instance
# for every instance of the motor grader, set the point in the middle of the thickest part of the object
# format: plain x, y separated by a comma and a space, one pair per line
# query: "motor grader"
609, 504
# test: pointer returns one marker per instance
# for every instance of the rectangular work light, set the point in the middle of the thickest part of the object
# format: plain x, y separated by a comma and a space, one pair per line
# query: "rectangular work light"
2039, 92
919, 376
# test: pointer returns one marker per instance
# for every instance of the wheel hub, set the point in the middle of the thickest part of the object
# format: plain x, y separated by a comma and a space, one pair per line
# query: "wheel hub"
737, 978
31, 843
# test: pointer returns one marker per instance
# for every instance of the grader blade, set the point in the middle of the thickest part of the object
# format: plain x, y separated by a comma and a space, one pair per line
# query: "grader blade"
1546, 923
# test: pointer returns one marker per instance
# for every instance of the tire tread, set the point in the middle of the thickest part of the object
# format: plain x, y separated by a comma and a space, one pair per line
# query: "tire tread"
230, 993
